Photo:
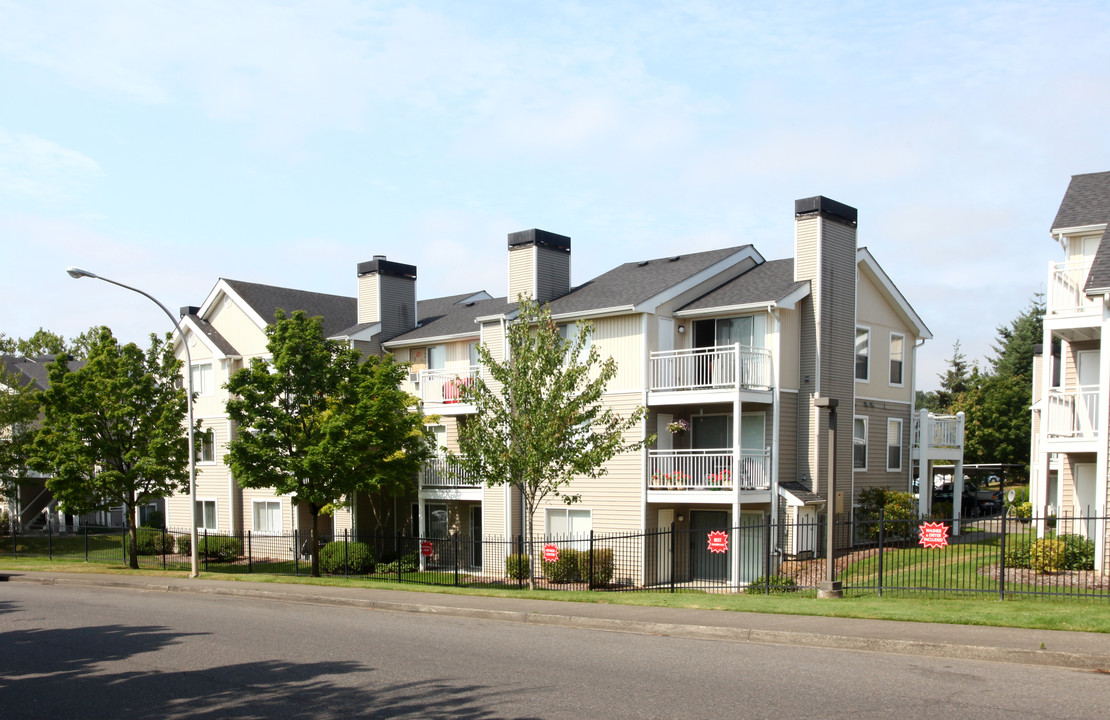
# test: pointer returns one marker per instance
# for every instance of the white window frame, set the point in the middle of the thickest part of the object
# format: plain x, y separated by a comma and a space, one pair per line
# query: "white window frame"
580, 541
201, 445
255, 502
902, 369
897, 437
215, 512
200, 387
856, 442
568, 332
866, 332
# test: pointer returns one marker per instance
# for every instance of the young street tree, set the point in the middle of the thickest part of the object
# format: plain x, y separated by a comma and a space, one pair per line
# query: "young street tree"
540, 422
19, 413
320, 422
112, 431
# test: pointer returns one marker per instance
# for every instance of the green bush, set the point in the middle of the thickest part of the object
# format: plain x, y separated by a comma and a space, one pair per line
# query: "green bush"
154, 542
359, 558
405, 564
1079, 552
517, 566
1047, 556
565, 569
1022, 512
155, 519
1017, 554
574, 566
217, 548
775, 585
899, 513
603, 566
942, 511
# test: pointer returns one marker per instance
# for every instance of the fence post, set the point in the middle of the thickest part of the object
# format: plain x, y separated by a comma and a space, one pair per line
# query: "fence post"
123, 545
881, 536
49, 541
205, 549
1002, 557
590, 564
455, 552
526, 562
15, 547
163, 546
767, 554
672, 555
86, 528
400, 552
250, 554
296, 552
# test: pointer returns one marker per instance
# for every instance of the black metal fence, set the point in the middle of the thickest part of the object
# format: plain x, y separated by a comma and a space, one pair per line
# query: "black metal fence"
997, 556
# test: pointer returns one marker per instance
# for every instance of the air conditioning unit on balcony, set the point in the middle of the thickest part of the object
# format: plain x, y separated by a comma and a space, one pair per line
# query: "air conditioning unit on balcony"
414, 378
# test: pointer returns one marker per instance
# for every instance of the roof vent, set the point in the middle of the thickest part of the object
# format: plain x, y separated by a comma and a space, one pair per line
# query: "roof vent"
642, 263
675, 258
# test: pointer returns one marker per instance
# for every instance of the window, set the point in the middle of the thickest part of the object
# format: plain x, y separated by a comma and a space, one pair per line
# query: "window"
205, 446
893, 444
437, 357
859, 444
439, 432
206, 515
267, 516
897, 354
202, 379
569, 333
435, 521
472, 350
863, 353
569, 523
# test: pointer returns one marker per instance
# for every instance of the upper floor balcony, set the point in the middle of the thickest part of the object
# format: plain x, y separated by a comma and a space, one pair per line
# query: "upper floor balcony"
938, 437
1065, 289
676, 472
441, 391
1071, 414
675, 375
443, 477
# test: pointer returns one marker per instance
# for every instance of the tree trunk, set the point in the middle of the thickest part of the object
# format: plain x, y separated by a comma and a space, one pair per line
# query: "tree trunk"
315, 510
133, 535
531, 554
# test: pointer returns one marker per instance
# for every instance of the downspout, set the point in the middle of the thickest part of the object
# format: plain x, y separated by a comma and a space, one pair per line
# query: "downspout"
776, 324
913, 418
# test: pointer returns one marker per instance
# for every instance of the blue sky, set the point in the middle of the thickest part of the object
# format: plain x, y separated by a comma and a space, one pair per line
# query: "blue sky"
167, 144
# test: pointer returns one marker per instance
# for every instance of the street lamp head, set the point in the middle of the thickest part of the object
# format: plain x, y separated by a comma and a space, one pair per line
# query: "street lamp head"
76, 272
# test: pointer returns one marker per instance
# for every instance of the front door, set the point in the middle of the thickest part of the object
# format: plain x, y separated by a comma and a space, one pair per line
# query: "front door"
706, 565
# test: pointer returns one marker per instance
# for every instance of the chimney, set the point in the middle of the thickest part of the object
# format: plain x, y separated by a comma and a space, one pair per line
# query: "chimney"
539, 265
825, 255
387, 295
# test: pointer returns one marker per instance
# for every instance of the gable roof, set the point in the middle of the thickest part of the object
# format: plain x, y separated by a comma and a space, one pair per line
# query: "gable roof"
449, 316
212, 337
634, 283
766, 283
33, 371
867, 263
1098, 277
338, 311
1086, 202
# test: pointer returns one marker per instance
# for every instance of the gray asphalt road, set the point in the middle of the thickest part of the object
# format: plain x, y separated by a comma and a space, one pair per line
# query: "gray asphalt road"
105, 653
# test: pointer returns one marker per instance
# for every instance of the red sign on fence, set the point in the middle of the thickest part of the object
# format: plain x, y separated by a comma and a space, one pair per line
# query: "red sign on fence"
550, 553
934, 535
426, 548
718, 541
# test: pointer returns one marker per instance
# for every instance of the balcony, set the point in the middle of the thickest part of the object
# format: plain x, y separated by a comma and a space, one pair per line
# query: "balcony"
1072, 413
1065, 289
723, 370
441, 390
938, 437
708, 470
444, 478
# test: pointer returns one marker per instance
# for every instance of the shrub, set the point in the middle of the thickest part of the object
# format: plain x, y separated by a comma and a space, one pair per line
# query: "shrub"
1079, 552
154, 542
406, 564
603, 566
1047, 556
899, 513
1022, 512
942, 511
155, 519
774, 585
1017, 554
359, 558
517, 566
565, 569
217, 548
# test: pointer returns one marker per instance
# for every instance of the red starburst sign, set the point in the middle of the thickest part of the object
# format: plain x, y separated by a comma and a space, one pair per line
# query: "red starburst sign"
934, 535
550, 553
426, 548
718, 541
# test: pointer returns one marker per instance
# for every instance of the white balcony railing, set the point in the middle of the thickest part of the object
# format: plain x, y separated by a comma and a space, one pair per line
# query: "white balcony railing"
1073, 412
1065, 289
940, 431
444, 386
723, 366
443, 472
707, 469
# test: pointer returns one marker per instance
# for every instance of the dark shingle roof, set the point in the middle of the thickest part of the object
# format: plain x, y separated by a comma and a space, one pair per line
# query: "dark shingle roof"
338, 311
766, 282
212, 334
635, 282
33, 370
445, 316
1086, 202
1098, 278
801, 492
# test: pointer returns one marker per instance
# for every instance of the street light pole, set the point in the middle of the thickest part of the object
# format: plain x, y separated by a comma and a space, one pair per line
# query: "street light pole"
77, 273
830, 587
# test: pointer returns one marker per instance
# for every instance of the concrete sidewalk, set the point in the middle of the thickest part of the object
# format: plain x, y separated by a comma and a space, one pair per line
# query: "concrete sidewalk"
1077, 650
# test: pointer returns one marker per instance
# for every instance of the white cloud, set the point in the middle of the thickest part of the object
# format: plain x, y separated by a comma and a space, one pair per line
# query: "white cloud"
36, 168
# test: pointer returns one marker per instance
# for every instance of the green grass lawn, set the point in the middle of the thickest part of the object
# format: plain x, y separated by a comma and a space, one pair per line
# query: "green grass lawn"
1040, 613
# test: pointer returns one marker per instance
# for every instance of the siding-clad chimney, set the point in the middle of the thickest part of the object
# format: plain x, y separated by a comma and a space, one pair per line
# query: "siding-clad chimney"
387, 295
825, 255
539, 265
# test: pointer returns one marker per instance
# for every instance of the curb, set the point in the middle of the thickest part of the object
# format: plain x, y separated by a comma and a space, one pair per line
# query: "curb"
1043, 658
